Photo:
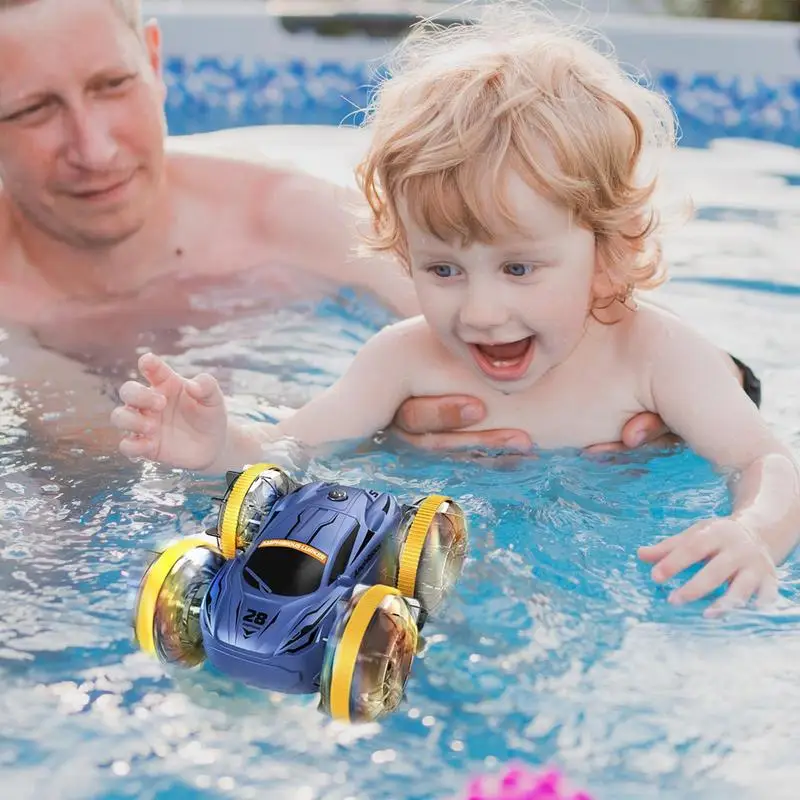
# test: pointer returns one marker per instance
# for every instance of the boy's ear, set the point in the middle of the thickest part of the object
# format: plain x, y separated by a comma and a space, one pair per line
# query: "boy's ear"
615, 257
603, 284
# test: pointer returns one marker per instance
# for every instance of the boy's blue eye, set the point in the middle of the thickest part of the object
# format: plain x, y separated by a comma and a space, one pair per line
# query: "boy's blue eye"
443, 270
517, 270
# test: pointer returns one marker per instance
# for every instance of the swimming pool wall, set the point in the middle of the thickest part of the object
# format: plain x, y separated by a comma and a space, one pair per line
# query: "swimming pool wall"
239, 64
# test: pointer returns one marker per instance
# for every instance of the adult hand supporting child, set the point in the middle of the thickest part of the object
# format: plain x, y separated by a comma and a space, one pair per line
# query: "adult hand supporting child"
435, 423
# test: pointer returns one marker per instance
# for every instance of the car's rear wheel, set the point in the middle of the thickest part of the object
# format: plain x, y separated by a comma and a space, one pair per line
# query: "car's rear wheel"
250, 498
368, 656
432, 547
167, 611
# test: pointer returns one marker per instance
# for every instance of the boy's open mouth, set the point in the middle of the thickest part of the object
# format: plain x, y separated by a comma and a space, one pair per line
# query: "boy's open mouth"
504, 362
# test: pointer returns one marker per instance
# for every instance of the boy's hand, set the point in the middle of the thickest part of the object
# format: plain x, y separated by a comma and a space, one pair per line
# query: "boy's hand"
732, 554
175, 420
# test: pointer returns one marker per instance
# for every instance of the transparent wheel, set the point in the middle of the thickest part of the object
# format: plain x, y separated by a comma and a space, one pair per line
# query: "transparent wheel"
167, 611
368, 656
432, 548
251, 496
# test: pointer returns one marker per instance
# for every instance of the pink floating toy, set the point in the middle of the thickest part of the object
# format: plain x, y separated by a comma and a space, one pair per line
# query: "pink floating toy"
517, 783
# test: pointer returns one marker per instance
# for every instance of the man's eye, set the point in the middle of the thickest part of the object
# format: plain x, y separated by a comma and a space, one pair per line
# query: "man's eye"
29, 111
115, 83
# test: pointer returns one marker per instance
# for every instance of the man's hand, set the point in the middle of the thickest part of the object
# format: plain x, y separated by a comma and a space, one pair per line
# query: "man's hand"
434, 423
644, 429
647, 429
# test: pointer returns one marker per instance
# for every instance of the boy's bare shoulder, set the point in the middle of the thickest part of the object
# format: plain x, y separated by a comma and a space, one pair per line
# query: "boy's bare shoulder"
404, 347
659, 340
411, 332
646, 342
653, 327
409, 342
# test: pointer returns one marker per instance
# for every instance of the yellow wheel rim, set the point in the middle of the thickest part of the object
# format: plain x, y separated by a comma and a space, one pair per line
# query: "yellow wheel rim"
344, 662
151, 587
229, 525
415, 541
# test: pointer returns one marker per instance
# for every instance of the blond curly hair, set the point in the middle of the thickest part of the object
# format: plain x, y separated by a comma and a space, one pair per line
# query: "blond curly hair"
465, 104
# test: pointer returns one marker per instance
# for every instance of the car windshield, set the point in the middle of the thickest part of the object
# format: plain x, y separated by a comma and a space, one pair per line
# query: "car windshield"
284, 570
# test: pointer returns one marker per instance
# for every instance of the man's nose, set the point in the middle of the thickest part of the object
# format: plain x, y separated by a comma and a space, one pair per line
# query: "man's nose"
92, 145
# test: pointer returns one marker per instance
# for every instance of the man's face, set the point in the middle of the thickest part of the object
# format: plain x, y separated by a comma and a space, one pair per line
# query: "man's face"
81, 120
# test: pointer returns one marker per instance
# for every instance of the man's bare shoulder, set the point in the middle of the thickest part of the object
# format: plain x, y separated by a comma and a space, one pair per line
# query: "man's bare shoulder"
219, 178
271, 182
290, 217
287, 201
269, 206
275, 203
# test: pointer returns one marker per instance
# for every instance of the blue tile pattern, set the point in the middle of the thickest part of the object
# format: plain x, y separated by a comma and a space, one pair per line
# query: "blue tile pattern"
211, 93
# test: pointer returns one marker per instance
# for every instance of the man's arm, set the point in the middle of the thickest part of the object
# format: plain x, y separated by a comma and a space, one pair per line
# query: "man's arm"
58, 399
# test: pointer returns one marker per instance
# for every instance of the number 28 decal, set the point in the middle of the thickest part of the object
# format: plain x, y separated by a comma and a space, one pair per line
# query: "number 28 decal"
254, 617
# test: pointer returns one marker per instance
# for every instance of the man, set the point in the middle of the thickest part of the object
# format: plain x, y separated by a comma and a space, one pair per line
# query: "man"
103, 232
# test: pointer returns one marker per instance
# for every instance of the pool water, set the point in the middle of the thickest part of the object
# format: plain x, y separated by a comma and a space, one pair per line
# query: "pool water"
556, 647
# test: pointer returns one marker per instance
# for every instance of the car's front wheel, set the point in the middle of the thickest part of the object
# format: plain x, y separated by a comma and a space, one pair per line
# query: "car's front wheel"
167, 611
368, 656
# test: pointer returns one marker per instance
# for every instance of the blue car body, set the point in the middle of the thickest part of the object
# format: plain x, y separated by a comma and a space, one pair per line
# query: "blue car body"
267, 614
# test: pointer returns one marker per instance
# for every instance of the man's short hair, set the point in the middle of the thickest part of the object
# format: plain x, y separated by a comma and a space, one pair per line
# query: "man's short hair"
130, 10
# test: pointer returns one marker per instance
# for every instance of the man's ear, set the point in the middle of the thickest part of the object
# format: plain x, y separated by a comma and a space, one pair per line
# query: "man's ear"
152, 43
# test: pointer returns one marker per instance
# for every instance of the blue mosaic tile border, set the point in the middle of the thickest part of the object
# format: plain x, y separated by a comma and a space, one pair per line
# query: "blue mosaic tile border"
209, 93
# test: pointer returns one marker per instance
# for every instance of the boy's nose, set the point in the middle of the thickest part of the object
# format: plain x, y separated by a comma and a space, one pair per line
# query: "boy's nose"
483, 313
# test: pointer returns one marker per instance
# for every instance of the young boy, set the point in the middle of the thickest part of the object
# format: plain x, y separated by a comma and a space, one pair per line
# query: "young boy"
506, 170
